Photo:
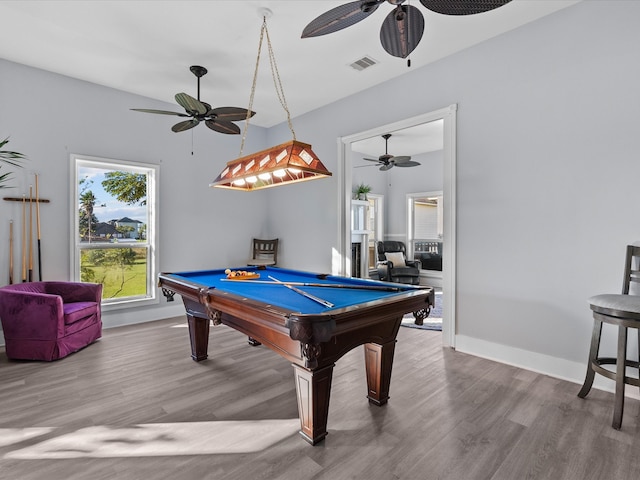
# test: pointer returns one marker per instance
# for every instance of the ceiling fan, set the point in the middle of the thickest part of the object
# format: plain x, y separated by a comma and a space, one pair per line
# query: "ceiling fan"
218, 119
402, 29
387, 161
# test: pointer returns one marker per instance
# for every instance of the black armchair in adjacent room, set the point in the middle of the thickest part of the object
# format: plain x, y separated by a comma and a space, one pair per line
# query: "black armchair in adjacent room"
393, 265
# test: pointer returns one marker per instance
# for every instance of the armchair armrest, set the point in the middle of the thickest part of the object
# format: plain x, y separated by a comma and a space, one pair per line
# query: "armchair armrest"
414, 263
383, 270
34, 316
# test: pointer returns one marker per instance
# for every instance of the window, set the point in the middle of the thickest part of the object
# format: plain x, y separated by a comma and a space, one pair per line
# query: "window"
376, 225
425, 221
114, 228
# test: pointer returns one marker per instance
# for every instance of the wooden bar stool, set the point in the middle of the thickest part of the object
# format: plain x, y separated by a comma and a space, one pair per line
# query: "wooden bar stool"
624, 311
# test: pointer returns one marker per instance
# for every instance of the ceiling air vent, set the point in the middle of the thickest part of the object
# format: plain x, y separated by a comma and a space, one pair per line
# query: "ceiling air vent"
362, 63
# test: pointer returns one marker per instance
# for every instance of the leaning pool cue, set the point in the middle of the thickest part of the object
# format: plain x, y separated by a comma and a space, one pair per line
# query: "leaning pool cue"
31, 233
10, 252
24, 238
38, 224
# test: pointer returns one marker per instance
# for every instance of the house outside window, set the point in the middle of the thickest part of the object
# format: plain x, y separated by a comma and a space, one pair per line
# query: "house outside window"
114, 229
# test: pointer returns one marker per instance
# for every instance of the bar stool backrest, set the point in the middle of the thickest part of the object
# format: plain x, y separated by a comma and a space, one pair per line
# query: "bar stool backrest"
631, 274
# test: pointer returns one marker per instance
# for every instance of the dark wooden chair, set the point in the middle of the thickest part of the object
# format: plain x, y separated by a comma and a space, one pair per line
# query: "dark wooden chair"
623, 311
265, 252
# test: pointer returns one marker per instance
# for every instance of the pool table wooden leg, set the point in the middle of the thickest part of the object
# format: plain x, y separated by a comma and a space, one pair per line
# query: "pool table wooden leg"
378, 362
199, 336
314, 389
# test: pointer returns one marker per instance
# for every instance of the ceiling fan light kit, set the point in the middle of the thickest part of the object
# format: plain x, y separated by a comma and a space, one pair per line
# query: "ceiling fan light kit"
218, 119
402, 29
283, 164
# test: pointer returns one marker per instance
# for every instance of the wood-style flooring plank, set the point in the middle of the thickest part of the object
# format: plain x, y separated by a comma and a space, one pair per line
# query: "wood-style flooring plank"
450, 416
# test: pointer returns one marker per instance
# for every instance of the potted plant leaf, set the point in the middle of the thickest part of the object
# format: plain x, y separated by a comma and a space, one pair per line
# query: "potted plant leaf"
11, 158
361, 191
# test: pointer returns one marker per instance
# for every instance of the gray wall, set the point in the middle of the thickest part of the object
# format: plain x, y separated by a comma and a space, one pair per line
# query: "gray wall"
400, 181
49, 117
394, 184
547, 167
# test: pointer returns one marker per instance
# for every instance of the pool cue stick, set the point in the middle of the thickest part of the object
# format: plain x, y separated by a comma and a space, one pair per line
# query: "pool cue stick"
10, 252
24, 238
321, 285
38, 224
31, 233
303, 293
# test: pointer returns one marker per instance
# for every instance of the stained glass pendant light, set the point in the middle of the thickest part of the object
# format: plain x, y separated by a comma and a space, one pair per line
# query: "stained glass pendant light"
283, 164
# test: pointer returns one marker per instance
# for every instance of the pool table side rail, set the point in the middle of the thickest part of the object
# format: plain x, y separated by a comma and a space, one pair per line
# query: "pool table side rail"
184, 287
248, 315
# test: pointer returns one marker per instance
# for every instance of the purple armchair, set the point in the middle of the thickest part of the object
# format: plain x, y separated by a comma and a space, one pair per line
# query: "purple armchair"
49, 320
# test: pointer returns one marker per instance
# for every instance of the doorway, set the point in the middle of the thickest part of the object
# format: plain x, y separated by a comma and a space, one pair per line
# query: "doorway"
345, 177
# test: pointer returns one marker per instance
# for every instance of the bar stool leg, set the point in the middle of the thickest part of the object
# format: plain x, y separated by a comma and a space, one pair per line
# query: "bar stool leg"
593, 355
621, 366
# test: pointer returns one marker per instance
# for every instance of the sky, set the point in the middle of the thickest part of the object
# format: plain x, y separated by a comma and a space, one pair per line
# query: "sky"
107, 207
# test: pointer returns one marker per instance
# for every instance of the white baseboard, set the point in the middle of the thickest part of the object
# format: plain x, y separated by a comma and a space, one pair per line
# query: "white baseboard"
536, 362
119, 318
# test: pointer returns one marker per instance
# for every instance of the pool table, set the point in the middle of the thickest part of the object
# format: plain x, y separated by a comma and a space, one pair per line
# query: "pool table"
310, 319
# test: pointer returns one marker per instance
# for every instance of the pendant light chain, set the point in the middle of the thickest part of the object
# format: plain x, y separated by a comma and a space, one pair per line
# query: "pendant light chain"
276, 82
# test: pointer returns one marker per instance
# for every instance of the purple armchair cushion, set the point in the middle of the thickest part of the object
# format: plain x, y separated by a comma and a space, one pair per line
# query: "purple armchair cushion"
78, 310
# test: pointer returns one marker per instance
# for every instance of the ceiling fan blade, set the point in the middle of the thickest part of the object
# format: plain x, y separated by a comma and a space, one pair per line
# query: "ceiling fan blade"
407, 164
401, 159
163, 112
230, 114
372, 160
384, 168
340, 17
222, 126
462, 7
186, 125
190, 104
363, 166
402, 30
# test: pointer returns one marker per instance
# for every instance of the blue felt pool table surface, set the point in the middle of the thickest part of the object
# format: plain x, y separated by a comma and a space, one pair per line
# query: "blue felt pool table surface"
281, 296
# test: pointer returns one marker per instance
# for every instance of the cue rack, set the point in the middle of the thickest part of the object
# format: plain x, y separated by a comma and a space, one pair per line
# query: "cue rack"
30, 208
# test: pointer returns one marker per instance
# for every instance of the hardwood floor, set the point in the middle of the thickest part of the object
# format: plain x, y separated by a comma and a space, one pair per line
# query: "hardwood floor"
135, 406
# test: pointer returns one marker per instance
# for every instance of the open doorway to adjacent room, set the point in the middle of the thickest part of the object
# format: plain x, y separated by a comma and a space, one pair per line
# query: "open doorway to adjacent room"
429, 141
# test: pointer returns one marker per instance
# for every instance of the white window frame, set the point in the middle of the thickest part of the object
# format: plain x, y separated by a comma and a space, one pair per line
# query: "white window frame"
376, 210
411, 197
152, 172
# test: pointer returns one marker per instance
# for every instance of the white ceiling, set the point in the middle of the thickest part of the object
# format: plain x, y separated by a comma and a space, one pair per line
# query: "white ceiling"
146, 47
424, 138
